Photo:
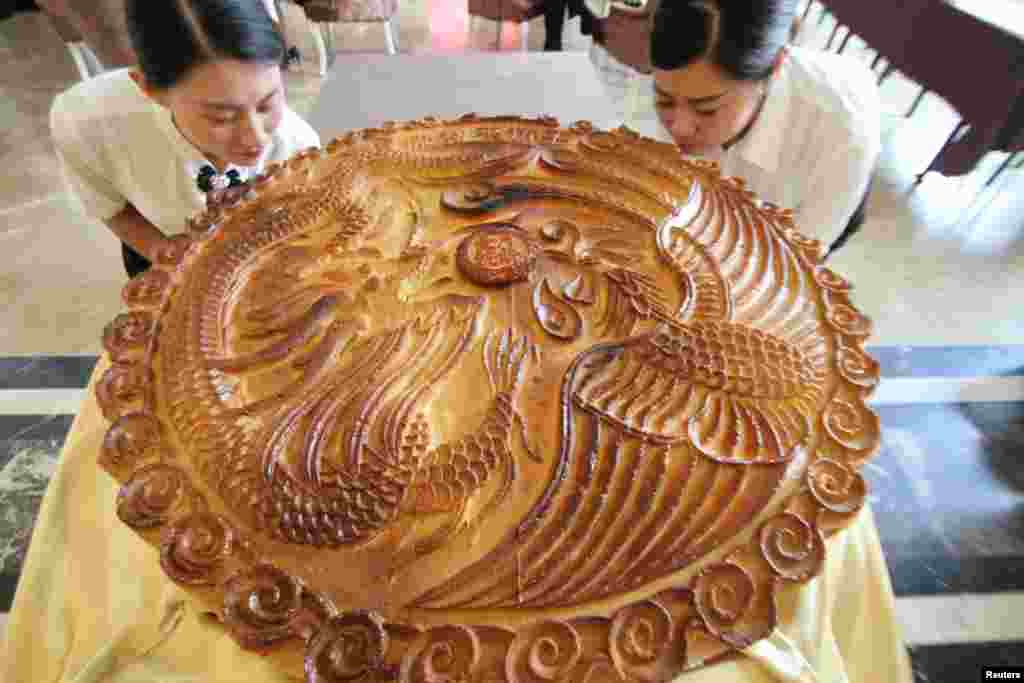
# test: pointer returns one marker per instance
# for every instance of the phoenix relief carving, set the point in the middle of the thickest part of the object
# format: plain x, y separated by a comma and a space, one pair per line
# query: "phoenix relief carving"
338, 349
490, 400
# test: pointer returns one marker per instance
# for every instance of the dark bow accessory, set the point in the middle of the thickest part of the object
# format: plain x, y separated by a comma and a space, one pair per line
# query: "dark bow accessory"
209, 179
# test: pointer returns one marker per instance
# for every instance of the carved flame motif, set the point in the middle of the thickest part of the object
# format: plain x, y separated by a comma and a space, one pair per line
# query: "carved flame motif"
847, 320
857, 367
578, 291
195, 546
173, 252
641, 640
557, 317
425, 390
128, 334
148, 288
350, 647
726, 598
836, 487
123, 388
450, 653
546, 652
154, 495
261, 604
130, 438
794, 550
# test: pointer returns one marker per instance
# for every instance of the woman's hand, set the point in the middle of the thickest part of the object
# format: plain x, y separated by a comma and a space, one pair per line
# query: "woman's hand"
132, 228
229, 196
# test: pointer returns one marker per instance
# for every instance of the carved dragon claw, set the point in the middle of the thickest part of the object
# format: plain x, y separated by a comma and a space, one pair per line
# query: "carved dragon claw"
506, 360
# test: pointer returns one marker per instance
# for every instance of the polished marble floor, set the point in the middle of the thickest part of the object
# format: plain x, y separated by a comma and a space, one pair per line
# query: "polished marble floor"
939, 269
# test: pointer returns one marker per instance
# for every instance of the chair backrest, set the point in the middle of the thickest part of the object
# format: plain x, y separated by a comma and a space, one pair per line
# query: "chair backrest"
627, 35
65, 29
101, 24
506, 10
884, 28
944, 39
344, 11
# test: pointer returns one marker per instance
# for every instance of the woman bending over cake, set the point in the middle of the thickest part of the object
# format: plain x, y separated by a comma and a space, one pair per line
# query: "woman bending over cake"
800, 126
204, 111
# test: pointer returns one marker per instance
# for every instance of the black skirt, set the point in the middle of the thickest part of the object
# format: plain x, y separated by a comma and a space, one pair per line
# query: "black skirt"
134, 262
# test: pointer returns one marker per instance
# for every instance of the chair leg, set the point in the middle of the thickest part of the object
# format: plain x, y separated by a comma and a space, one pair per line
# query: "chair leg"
807, 10
497, 44
889, 68
832, 37
842, 45
524, 36
389, 38
952, 136
917, 102
875, 61
95, 65
322, 36
277, 15
75, 50
1020, 160
999, 171
329, 42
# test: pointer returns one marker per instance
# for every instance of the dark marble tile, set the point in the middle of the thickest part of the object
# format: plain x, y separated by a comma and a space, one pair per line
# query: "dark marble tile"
962, 663
1002, 425
947, 575
46, 372
949, 361
23, 482
939, 484
8, 584
17, 431
995, 418
29, 449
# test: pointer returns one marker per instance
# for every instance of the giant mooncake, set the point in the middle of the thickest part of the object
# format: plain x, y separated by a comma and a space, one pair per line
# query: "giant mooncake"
490, 400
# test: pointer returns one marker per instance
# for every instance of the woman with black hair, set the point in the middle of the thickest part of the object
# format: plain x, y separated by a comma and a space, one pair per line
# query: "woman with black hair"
800, 126
204, 111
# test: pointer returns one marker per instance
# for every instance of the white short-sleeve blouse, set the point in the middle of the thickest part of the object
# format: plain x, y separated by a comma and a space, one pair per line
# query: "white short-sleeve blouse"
118, 147
814, 146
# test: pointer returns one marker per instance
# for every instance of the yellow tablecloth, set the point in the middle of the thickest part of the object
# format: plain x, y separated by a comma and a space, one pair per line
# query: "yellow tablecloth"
94, 605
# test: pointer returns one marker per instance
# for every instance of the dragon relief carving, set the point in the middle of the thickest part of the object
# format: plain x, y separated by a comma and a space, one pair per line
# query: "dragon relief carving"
351, 449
